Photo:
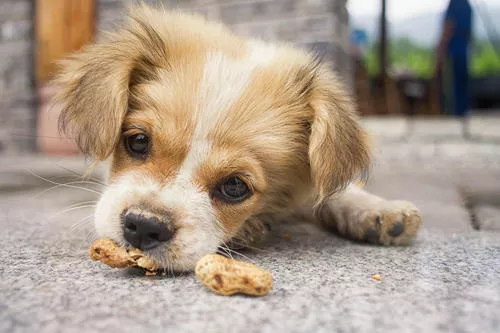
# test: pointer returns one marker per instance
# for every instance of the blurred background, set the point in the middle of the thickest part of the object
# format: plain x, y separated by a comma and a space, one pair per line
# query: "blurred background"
394, 56
384, 50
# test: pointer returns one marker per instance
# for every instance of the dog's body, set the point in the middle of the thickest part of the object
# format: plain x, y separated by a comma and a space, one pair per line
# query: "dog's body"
211, 137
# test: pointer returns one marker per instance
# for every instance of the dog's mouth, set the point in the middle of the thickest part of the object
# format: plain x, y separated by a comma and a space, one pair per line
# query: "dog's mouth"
110, 253
173, 241
160, 256
168, 259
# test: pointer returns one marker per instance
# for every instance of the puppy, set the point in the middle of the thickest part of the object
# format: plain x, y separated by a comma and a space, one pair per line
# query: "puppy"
210, 138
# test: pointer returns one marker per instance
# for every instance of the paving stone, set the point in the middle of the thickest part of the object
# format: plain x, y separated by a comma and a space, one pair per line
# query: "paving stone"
443, 283
486, 127
434, 194
488, 217
394, 127
448, 281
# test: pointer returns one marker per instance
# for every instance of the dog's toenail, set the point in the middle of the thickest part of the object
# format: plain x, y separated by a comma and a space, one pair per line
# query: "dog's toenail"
396, 230
372, 236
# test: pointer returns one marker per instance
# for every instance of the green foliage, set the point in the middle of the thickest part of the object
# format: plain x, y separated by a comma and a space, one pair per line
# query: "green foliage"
371, 61
405, 54
485, 59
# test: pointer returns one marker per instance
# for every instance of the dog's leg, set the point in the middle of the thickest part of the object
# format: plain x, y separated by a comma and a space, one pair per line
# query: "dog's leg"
252, 232
359, 215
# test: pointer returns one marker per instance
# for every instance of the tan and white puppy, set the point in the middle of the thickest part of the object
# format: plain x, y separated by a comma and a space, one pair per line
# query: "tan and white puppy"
211, 137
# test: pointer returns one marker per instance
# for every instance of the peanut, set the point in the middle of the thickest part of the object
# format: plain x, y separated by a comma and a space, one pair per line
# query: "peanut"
109, 253
227, 277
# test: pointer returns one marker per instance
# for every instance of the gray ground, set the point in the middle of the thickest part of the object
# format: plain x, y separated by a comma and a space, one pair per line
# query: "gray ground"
448, 281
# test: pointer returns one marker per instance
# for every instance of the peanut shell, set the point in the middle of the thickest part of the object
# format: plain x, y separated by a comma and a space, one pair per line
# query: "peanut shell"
226, 277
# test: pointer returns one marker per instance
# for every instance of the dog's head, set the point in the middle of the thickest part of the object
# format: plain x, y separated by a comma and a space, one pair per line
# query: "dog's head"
204, 130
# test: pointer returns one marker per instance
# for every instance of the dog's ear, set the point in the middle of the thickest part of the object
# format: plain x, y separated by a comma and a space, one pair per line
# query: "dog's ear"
93, 97
338, 147
94, 84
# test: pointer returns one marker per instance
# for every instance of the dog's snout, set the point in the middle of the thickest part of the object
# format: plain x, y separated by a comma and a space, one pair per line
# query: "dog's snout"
145, 233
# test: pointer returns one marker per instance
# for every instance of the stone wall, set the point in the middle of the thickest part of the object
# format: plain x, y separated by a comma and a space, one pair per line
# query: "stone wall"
17, 94
321, 25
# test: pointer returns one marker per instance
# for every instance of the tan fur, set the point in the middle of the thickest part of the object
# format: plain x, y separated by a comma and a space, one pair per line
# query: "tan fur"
359, 215
96, 83
291, 133
338, 150
227, 162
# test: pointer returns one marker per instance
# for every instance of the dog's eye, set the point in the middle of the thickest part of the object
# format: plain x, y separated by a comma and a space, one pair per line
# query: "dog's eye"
233, 190
137, 145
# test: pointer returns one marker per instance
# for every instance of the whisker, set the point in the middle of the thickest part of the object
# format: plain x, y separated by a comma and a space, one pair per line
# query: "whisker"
21, 135
90, 236
97, 181
223, 248
171, 268
83, 203
62, 185
56, 183
229, 251
235, 241
241, 254
81, 223
70, 210
243, 244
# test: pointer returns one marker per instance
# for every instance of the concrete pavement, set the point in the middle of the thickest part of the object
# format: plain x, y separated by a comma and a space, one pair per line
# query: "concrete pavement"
482, 127
448, 281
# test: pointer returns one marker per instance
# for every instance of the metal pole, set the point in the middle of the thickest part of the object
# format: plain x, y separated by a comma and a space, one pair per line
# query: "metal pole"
383, 40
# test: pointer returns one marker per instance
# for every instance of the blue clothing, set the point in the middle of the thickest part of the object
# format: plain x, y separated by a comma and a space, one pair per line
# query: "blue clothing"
359, 38
460, 13
455, 76
455, 86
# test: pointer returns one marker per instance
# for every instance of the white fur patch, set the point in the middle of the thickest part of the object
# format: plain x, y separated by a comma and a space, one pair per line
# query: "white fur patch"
261, 53
198, 231
223, 82
120, 196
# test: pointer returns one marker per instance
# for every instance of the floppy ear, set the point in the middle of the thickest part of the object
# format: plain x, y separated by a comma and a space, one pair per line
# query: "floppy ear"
94, 84
93, 97
338, 148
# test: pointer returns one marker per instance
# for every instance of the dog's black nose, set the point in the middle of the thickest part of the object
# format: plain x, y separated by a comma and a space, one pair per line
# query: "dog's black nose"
145, 233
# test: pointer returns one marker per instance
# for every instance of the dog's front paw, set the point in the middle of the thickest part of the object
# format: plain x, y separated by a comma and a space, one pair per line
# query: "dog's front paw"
392, 223
251, 232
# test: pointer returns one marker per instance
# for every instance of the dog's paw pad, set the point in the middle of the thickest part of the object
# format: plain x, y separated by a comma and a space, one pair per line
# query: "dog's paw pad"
395, 223
372, 235
397, 229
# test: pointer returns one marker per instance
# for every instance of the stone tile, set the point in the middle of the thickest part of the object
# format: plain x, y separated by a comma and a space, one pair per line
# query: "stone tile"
15, 48
394, 127
482, 190
446, 282
485, 127
435, 129
468, 150
435, 195
15, 30
488, 217
15, 10
482, 128
321, 283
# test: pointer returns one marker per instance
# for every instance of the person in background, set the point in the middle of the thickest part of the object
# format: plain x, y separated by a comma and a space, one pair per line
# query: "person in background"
453, 59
